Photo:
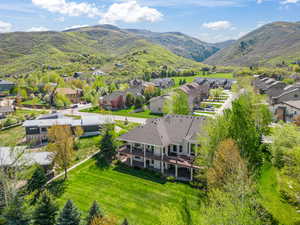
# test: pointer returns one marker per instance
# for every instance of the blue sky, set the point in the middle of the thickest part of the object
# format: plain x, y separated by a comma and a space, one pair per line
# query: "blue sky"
209, 20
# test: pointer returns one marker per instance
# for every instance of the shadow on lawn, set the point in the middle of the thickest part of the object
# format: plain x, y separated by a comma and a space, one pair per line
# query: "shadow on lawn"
140, 173
57, 187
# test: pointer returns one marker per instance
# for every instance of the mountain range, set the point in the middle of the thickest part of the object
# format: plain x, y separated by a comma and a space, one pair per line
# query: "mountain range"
268, 45
104, 46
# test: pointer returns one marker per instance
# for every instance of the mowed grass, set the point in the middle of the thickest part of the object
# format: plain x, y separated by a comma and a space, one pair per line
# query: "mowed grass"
125, 192
12, 136
272, 200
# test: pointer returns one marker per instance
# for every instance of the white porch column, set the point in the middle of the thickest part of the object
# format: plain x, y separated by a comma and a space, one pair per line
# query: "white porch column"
131, 157
191, 174
144, 155
176, 171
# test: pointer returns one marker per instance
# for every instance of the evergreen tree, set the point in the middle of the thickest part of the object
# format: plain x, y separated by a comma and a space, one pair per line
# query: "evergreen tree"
130, 99
94, 211
125, 222
108, 144
37, 181
69, 215
45, 212
16, 212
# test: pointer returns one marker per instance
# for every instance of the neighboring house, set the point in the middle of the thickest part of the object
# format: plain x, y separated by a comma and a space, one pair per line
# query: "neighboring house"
287, 111
98, 73
165, 144
6, 110
195, 92
74, 95
289, 94
136, 83
113, 101
12, 157
37, 130
215, 82
156, 104
163, 83
5, 87
262, 84
275, 89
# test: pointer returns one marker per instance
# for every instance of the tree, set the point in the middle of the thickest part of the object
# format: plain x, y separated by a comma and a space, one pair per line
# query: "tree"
139, 102
69, 215
227, 166
45, 212
16, 213
178, 104
61, 100
103, 221
37, 181
125, 222
130, 99
108, 143
62, 145
94, 211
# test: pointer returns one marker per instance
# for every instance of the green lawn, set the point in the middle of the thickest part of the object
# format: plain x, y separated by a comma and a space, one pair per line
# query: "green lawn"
272, 200
125, 192
191, 78
12, 136
123, 112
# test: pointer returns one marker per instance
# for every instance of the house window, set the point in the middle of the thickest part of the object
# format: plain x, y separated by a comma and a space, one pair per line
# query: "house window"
44, 129
174, 148
180, 148
296, 95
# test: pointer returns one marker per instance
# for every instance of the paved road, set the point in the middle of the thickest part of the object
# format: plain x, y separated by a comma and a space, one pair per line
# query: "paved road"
76, 111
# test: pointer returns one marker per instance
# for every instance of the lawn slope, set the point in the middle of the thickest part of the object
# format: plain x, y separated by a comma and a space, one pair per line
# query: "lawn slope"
125, 192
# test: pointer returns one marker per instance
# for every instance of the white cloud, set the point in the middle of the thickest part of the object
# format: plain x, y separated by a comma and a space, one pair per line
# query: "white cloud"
75, 26
37, 29
130, 12
5, 27
68, 7
289, 1
218, 25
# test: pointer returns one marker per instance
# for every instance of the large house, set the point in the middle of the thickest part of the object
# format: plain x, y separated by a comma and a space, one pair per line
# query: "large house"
167, 145
5, 87
163, 83
215, 82
37, 130
74, 95
195, 92
113, 101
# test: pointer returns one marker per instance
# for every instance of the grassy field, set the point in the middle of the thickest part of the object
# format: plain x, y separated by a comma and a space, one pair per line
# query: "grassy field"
124, 192
272, 200
123, 112
12, 136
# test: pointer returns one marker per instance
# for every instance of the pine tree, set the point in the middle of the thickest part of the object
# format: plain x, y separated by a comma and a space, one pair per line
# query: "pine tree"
45, 212
16, 213
108, 144
37, 181
125, 222
94, 211
69, 215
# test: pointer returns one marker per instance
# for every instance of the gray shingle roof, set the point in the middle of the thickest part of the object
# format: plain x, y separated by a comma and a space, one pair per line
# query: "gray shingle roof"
171, 129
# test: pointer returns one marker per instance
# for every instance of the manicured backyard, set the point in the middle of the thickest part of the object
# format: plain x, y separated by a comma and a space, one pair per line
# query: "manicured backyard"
125, 192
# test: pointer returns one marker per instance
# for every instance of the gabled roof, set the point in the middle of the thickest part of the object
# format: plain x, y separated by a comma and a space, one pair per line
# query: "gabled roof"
294, 104
171, 129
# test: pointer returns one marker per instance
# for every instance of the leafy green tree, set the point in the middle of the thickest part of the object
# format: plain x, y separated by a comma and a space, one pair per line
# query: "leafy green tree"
139, 102
130, 99
61, 100
69, 215
108, 143
45, 212
37, 181
17, 213
94, 211
178, 104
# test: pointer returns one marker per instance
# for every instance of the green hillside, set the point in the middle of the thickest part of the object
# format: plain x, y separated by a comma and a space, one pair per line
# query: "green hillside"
80, 49
268, 45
